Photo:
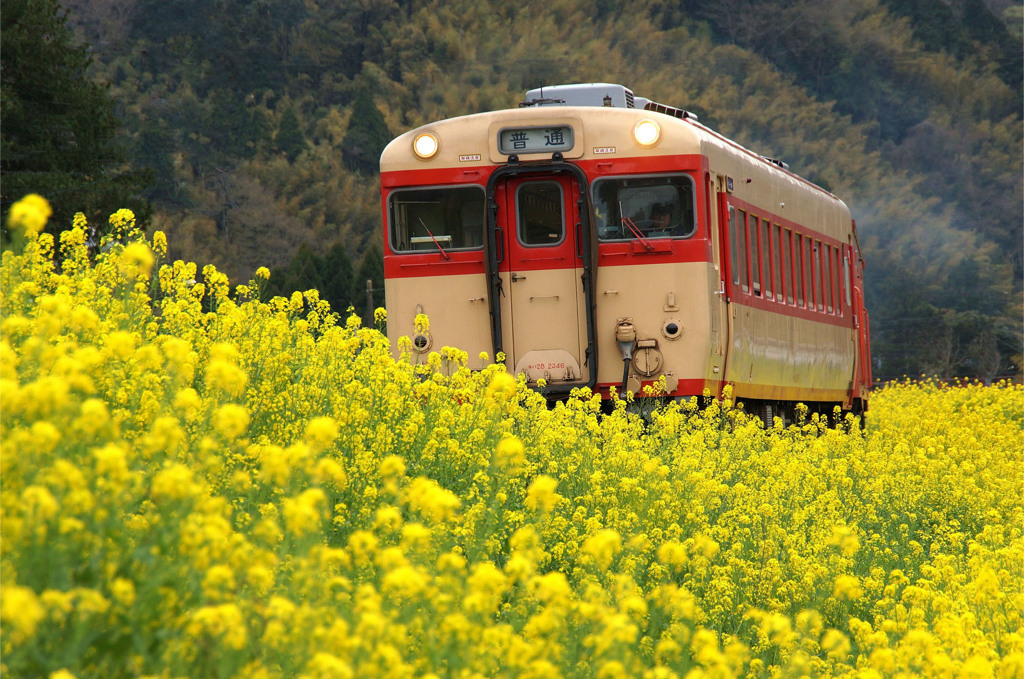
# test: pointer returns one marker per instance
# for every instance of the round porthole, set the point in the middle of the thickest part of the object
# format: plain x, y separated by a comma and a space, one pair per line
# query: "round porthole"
672, 329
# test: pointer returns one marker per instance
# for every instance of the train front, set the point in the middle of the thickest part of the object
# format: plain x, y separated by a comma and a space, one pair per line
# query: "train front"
568, 237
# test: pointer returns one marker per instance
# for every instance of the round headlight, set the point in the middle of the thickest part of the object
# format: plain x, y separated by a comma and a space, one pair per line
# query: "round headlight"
647, 133
425, 145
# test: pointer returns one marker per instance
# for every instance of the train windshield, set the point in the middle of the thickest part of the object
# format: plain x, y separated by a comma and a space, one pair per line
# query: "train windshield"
440, 218
644, 207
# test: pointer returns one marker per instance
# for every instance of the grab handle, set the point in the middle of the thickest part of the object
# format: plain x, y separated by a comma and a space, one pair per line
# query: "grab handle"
499, 242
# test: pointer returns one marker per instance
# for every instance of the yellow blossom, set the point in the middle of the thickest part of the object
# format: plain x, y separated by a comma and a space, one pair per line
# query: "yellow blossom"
541, 494
29, 214
21, 611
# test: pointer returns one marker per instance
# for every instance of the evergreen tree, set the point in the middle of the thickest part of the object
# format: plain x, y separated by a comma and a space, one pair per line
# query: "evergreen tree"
301, 274
290, 140
366, 137
58, 133
336, 270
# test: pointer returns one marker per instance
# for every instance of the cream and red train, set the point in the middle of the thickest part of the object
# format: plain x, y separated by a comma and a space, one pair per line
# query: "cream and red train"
600, 239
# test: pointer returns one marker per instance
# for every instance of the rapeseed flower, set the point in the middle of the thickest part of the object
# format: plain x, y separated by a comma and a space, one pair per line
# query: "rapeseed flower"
541, 494
29, 215
232, 485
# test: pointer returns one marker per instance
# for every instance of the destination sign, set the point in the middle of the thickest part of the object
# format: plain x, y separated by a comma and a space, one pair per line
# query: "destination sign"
535, 140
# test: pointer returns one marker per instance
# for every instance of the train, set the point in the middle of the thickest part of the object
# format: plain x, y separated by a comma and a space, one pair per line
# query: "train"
594, 238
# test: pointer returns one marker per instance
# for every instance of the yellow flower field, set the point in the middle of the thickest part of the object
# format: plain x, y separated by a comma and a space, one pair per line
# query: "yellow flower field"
199, 482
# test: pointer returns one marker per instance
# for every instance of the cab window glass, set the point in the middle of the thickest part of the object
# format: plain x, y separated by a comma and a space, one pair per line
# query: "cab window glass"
446, 218
628, 208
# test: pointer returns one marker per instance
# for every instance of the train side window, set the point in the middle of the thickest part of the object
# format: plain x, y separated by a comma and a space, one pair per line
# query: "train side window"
836, 288
443, 217
652, 206
540, 217
787, 264
814, 252
826, 268
777, 259
839, 285
741, 249
838, 301
766, 257
805, 272
822, 275
798, 269
753, 255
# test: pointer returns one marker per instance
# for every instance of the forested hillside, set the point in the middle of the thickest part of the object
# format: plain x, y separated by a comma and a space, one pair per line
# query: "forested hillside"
262, 122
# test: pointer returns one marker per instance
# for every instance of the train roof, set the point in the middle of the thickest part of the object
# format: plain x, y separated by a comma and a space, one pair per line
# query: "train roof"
610, 111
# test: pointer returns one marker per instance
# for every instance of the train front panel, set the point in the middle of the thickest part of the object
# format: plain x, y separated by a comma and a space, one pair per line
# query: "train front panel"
546, 255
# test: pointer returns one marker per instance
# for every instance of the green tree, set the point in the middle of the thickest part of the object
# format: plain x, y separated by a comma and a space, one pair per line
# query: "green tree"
302, 273
366, 137
290, 140
336, 275
59, 129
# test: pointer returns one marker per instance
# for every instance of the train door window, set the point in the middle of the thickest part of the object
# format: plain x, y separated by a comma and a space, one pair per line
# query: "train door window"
798, 269
541, 221
440, 218
741, 249
766, 257
655, 206
753, 255
787, 264
777, 261
846, 278
734, 247
826, 269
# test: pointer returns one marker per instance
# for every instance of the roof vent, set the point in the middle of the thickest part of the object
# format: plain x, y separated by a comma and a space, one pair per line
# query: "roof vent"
649, 105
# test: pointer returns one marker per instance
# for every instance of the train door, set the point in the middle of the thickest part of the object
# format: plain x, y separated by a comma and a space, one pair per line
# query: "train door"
730, 253
717, 209
862, 370
544, 331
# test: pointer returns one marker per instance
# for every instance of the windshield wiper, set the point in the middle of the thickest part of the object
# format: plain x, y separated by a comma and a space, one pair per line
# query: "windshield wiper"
433, 239
636, 232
